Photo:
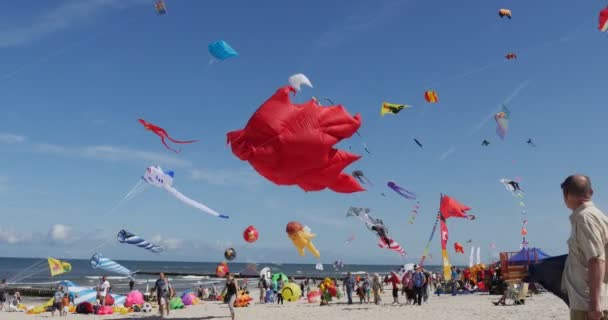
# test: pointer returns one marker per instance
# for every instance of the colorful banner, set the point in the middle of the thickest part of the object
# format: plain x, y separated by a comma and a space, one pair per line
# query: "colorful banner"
447, 273
58, 267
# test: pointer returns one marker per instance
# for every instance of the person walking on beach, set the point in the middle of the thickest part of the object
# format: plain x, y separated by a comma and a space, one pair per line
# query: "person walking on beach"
419, 280
376, 288
231, 293
57, 299
3, 293
367, 287
163, 294
454, 280
263, 286
349, 286
102, 290
394, 280
131, 285
585, 276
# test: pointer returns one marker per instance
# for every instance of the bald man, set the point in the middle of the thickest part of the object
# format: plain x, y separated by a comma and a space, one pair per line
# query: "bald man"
584, 276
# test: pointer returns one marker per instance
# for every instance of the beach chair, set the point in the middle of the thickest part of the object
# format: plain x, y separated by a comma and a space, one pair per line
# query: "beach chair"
520, 298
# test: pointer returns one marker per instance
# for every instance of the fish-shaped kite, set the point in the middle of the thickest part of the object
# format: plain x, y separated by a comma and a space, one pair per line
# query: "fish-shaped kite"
100, 262
431, 96
125, 236
511, 56
162, 134
603, 26
155, 176
391, 108
504, 13
418, 143
458, 248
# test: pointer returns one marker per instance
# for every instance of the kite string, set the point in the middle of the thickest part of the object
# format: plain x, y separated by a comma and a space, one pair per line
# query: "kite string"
428, 244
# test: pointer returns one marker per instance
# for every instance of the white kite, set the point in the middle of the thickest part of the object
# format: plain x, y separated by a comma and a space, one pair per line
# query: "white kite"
164, 179
297, 80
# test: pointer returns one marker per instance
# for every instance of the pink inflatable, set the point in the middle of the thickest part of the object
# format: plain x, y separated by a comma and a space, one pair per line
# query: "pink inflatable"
104, 310
134, 297
188, 298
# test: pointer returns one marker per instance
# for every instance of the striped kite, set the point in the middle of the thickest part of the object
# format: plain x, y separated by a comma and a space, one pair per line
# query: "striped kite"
125, 236
431, 96
100, 262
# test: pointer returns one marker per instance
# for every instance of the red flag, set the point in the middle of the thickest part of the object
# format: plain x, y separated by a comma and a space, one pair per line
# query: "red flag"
450, 208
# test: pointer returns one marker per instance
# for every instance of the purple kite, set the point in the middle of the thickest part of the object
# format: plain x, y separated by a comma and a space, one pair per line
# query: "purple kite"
405, 193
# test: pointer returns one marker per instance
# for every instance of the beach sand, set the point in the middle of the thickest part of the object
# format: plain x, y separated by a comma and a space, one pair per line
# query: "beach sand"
465, 307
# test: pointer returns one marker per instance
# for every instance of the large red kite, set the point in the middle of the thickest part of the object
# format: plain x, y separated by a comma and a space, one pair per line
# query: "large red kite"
292, 144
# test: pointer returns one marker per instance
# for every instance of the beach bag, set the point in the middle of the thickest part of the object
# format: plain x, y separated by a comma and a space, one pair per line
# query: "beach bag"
84, 308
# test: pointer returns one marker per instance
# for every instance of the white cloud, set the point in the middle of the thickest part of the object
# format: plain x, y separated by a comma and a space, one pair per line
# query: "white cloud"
60, 233
57, 19
12, 237
11, 138
224, 177
355, 23
169, 243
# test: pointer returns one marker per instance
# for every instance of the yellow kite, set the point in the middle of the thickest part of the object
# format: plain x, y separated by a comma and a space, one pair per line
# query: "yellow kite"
392, 108
58, 267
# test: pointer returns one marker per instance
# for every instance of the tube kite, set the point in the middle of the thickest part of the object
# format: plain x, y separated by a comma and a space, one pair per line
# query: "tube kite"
162, 134
100, 262
155, 176
221, 50
125, 236
502, 122
431, 96
160, 7
603, 26
297, 80
301, 236
392, 108
293, 144
403, 192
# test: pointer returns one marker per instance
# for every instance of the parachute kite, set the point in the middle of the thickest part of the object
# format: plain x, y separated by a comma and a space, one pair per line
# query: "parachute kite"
291, 144
511, 56
458, 248
100, 262
301, 237
359, 175
251, 234
160, 7
502, 122
157, 177
221, 50
603, 26
485, 143
376, 226
57, 267
403, 192
431, 96
125, 236
162, 134
504, 13
391, 108
297, 80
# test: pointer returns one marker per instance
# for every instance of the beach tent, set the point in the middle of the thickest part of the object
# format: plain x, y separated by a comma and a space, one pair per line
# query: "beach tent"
528, 256
548, 273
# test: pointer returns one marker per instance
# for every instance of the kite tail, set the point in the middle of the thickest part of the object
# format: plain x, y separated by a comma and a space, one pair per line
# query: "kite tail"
193, 203
178, 141
166, 146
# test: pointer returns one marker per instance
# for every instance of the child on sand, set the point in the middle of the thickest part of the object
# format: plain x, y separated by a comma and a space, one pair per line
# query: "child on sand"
65, 304
361, 292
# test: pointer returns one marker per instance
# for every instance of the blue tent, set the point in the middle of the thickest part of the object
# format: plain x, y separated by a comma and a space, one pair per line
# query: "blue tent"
529, 256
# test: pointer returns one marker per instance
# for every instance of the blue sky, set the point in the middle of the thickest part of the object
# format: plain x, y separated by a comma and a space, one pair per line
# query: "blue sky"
76, 75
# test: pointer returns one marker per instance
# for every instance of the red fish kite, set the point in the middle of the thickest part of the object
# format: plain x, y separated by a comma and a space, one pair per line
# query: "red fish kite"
293, 144
458, 248
511, 56
603, 26
162, 134
431, 96
450, 208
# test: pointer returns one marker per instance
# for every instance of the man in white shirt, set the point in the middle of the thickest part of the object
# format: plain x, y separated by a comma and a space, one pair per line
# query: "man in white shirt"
102, 290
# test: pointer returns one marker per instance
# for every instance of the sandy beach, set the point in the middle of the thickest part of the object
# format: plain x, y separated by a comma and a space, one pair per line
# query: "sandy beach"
479, 306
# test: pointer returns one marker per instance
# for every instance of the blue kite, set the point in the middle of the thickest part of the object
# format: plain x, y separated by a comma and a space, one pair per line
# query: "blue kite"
221, 50
125, 236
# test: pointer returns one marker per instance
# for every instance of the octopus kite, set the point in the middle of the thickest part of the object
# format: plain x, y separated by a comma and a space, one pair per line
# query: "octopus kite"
359, 175
162, 134
403, 192
293, 144
376, 226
